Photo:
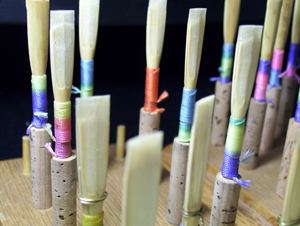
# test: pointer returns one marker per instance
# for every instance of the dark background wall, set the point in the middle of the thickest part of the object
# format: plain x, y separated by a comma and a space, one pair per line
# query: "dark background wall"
119, 63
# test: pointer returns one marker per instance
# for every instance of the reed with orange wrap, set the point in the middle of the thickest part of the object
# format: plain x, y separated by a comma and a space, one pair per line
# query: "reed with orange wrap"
156, 22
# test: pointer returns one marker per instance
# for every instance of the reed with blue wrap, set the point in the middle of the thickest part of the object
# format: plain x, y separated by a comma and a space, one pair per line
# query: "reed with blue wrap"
194, 42
88, 31
228, 181
223, 83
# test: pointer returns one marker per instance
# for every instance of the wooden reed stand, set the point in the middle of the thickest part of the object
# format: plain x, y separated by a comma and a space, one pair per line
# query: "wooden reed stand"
289, 146
64, 183
149, 121
40, 168
267, 137
177, 181
252, 137
224, 208
286, 105
221, 113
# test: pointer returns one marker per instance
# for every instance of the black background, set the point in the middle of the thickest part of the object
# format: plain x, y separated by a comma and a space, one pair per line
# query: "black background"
120, 62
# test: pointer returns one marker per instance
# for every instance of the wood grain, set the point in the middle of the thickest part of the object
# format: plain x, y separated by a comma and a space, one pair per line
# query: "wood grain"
16, 207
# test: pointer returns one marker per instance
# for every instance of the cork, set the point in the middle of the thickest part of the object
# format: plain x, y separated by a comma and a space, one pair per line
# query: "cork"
40, 168
64, 181
267, 137
289, 146
26, 155
149, 121
221, 113
225, 201
177, 181
286, 105
252, 137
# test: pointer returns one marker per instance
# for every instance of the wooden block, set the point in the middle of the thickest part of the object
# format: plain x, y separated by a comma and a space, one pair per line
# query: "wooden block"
40, 168
120, 144
64, 180
286, 105
289, 146
225, 201
267, 137
252, 137
149, 121
26, 154
177, 181
221, 113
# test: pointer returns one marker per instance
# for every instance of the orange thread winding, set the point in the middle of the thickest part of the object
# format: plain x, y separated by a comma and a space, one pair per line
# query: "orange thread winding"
151, 91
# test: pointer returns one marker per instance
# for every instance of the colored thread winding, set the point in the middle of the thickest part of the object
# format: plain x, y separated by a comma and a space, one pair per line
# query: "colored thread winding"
151, 91
291, 70
62, 130
297, 113
276, 68
226, 64
87, 77
39, 101
262, 80
96, 220
186, 114
232, 152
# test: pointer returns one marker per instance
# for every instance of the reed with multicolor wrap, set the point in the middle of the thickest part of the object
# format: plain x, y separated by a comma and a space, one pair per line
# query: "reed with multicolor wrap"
289, 78
228, 182
223, 83
194, 42
38, 28
274, 87
258, 104
88, 30
92, 142
63, 164
156, 22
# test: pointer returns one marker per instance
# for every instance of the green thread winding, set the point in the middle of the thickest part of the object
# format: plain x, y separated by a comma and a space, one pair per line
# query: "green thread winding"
235, 135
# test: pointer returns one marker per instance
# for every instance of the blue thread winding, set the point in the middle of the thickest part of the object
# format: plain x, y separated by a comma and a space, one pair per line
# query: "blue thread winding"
187, 105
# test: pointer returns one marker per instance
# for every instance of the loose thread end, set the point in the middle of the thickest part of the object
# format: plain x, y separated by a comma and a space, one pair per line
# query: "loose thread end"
49, 148
242, 183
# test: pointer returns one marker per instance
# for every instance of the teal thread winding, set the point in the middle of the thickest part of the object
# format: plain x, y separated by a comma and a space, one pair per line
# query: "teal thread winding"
226, 62
186, 114
87, 78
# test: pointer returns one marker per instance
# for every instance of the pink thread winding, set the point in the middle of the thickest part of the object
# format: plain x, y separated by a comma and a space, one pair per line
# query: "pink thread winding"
62, 132
262, 80
277, 59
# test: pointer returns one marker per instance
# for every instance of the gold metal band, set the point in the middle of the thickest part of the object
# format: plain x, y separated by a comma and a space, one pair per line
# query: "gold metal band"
294, 223
194, 214
92, 201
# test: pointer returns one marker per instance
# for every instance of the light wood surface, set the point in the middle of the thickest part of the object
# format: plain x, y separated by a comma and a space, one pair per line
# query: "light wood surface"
193, 50
16, 206
270, 28
296, 23
26, 155
142, 174
231, 19
88, 27
38, 29
284, 24
40, 168
64, 185
149, 121
92, 142
62, 42
197, 159
156, 23
244, 70
120, 142
221, 113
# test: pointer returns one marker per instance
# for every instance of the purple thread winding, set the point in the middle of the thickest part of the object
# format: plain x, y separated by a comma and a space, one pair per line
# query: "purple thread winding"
221, 80
291, 70
230, 166
262, 80
297, 114
39, 105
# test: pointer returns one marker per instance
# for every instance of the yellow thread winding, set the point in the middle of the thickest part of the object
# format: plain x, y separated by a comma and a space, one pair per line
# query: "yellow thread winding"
96, 220
62, 110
